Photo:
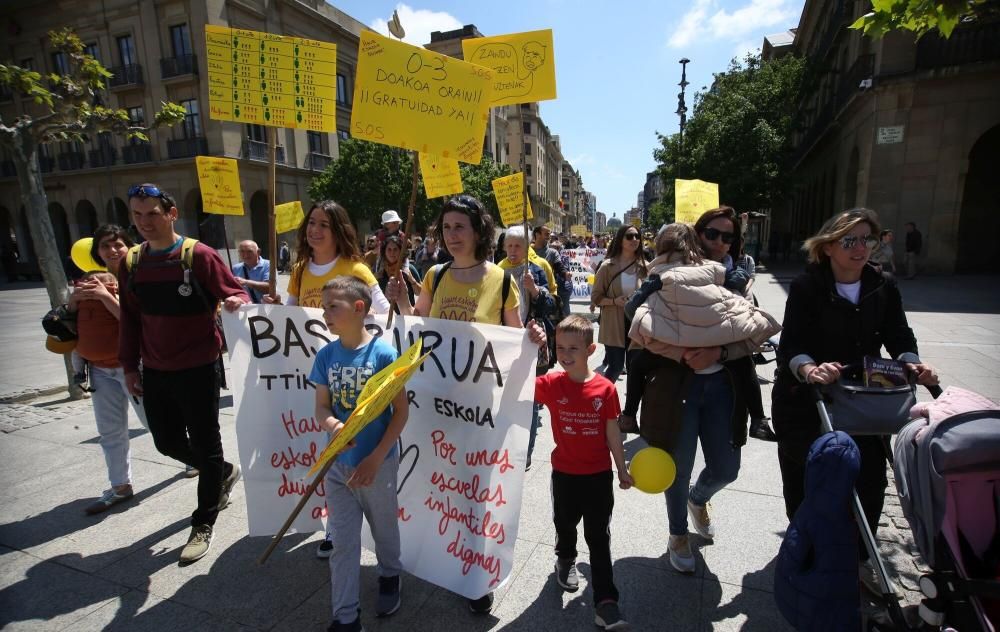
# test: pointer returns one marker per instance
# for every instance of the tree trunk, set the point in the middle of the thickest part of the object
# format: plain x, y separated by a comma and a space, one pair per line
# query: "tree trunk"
36, 206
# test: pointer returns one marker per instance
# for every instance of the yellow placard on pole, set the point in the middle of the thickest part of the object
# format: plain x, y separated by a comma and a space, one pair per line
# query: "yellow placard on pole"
509, 191
287, 216
376, 395
266, 79
441, 175
692, 198
580, 230
636, 221
219, 179
524, 65
410, 97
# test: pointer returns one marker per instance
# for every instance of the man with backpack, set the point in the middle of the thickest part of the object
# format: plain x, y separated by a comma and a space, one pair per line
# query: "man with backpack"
170, 288
562, 276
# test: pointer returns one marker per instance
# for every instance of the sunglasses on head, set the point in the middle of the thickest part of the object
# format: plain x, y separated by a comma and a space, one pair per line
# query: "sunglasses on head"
712, 234
850, 241
631, 236
144, 190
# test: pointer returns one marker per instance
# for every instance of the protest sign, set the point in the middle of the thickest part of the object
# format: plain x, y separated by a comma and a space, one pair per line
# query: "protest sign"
288, 216
509, 191
410, 97
523, 64
256, 77
219, 181
694, 197
441, 175
583, 262
579, 230
462, 452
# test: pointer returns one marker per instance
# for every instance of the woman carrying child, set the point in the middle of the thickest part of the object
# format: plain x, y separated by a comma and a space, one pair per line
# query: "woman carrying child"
699, 334
95, 302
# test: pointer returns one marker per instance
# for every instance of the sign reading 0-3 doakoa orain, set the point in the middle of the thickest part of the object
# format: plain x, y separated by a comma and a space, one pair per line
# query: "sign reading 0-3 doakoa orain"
409, 97
266, 79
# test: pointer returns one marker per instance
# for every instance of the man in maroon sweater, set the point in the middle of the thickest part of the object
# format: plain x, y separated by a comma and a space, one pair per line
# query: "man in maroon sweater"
168, 323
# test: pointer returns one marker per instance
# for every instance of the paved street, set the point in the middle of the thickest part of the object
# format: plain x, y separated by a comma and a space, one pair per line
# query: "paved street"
60, 569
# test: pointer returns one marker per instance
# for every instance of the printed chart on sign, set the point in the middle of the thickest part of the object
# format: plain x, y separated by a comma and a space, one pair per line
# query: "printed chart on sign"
274, 80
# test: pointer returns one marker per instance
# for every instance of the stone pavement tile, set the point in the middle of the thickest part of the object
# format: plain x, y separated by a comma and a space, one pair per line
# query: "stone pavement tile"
957, 351
46, 595
985, 386
227, 582
535, 524
749, 529
949, 368
758, 469
734, 607
30, 459
139, 611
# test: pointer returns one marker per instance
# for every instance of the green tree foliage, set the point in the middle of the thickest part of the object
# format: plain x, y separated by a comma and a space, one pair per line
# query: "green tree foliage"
918, 16
69, 108
368, 178
739, 135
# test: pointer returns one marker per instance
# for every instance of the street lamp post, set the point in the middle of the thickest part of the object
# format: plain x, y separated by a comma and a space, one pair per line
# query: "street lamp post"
682, 109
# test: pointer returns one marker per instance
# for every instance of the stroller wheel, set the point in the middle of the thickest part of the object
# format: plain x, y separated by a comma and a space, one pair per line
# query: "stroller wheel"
929, 615
928, 586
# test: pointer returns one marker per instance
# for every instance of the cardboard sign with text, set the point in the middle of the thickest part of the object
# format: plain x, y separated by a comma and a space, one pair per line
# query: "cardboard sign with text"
441, 176
509, 191
287, 216
462, 452
694, 197
523, 64
583, 263
410, 97
219, 181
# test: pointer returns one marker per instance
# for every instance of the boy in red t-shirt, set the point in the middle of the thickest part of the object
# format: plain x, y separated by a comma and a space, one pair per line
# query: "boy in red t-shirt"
584, 409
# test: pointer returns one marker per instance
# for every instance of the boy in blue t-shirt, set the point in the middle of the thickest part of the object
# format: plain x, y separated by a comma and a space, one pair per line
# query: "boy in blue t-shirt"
362, 481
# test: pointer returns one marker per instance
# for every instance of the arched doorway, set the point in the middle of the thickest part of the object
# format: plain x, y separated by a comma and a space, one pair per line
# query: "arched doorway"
86, 218
60, 226
259, 221
117, 212
979, 218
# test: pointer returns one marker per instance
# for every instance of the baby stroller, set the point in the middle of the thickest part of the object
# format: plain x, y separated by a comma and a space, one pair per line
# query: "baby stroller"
947, 471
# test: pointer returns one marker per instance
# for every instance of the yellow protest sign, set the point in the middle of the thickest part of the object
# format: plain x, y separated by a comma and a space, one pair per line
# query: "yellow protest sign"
409, 97
266, 79
375, 397
580, 230
509, 191
636, 221
441, 175
219, 179
287, 216
524, 65
692, 198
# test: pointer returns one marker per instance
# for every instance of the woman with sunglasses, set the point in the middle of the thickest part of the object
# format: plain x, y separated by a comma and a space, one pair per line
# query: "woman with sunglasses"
838, 311
617, 278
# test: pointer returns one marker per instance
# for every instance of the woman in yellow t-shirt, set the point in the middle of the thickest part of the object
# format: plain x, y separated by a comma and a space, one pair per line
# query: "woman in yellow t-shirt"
471, 289
328, 248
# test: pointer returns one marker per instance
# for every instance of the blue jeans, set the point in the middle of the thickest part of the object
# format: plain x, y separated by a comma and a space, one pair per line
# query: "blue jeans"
564, 296
708, 413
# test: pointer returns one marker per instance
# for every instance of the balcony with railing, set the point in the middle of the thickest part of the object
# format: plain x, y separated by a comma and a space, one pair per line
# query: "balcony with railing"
102, 156
71, 160
128, 76
178, 66
137, 153
257, 150
187, 147
317, 161
967, 44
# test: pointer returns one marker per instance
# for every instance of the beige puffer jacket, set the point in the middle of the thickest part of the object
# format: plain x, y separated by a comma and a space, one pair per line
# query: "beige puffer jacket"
693, 309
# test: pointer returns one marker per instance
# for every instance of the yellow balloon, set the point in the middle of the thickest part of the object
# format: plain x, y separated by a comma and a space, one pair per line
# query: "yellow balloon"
590, 279
653, 470
80, 254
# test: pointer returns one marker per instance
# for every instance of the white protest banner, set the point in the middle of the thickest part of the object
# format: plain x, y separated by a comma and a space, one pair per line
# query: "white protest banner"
462, 452
583, 263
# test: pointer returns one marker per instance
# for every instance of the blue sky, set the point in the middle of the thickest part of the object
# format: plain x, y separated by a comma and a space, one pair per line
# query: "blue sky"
616, 66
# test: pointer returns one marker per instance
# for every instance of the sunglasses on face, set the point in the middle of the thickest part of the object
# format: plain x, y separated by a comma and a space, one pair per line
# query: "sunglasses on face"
712, 234
850, 241
631, 236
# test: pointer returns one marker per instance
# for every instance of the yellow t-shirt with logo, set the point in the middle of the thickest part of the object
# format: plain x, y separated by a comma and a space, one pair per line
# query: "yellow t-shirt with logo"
477, 302
307, 288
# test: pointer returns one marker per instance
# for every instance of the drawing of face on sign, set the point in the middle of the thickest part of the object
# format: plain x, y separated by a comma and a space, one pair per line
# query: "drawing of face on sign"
534, 56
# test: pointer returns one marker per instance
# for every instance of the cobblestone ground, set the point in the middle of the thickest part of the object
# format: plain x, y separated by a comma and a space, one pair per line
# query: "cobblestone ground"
19, 416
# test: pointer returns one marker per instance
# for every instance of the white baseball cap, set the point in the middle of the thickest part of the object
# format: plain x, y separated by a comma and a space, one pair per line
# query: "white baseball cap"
390, 216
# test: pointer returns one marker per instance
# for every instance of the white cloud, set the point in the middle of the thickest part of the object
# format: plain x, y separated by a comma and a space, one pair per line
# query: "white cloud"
703, 22
746, 47
418, 23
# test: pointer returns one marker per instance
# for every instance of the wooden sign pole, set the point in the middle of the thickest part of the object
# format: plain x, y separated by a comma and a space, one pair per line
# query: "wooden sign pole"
272, 237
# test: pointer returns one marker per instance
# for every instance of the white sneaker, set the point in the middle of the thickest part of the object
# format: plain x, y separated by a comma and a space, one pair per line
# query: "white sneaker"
701, 519
681, 557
